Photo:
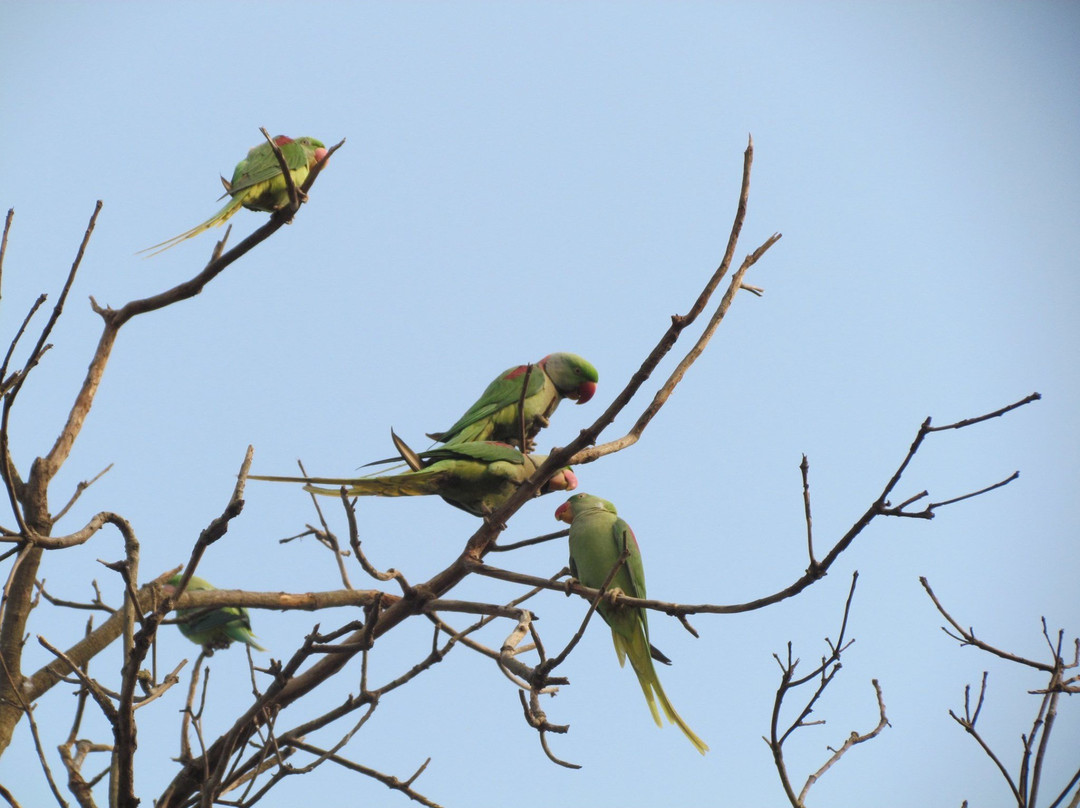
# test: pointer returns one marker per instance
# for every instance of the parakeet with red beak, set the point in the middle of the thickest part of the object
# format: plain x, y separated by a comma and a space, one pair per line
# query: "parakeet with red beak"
597, 539
213, 629
258, 182
477, 477
496, 416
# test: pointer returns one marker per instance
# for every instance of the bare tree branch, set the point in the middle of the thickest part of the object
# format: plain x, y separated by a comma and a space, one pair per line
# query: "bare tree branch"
854, 738
824, 675
967, 636
1025, 788
391, 782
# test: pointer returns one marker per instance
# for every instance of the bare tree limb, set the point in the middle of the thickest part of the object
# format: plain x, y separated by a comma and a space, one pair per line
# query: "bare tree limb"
967, 636
824, 675
1025, 788
82, 486
968, 723
391, 782
854, 738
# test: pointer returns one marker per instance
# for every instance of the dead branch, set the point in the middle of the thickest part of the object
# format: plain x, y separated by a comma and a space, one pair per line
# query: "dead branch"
82, 486
677, 325
29, 500
854, 738
1025, 788
967, 636
537, 719
505, 548
4, 240
823, 674
391, 782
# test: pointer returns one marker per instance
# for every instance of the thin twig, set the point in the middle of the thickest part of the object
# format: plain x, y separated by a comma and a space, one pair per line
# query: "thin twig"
852, 740
82, 486
968, 636
804, 467
4, 240
391, 782
521, 408
504, 548
968, 723
995, 414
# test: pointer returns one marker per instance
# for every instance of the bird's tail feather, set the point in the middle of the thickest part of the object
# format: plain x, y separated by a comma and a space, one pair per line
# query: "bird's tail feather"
637, 649
218, 218
241, 634
409, 484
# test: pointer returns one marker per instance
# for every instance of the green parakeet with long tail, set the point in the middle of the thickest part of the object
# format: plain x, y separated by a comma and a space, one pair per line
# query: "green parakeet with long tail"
258, 182
477, 477
215, 628
597, 537
496, 416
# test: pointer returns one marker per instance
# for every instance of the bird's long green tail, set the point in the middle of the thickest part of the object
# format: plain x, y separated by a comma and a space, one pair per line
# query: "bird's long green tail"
218, 218
641, 661
409, 484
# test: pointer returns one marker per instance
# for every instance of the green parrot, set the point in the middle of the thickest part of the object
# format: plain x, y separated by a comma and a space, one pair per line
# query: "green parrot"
216, 628
477, 477
258, 183
495, 415
597, 537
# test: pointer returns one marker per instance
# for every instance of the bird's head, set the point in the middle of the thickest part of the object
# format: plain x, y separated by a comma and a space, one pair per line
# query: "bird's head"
572, 375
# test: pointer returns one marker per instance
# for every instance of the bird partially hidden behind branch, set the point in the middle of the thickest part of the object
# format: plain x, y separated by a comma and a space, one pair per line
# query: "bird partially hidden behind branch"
598, 538
213, 629
497, 416
258, 182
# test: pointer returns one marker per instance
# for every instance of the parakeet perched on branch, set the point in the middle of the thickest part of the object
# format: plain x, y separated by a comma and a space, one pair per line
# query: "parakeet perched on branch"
214, 628
477, 477
258, 182
597, 539
497, 416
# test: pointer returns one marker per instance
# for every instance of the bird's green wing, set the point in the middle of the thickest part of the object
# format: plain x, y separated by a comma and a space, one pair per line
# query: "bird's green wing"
505, 391
261, 164
481, 451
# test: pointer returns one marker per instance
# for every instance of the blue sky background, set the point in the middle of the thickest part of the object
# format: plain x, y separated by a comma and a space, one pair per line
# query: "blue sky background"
526, 178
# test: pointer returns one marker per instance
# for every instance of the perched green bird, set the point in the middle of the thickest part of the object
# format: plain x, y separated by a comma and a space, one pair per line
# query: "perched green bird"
258, 182
597, 538
215, 628
496, 416
477, 477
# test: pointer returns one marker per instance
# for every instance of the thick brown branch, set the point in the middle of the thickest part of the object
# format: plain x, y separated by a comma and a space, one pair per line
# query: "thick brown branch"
87, 648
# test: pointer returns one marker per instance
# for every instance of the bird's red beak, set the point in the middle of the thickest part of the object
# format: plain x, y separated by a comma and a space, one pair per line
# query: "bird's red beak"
585, 391
562, 513
319, 155
570, 479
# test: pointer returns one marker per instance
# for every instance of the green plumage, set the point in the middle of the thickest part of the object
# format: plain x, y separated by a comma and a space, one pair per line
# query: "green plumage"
496, 415
477, 477
597, 538
215, 628
258, 182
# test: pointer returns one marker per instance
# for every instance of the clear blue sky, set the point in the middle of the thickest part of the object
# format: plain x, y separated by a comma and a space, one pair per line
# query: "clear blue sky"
526, 178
